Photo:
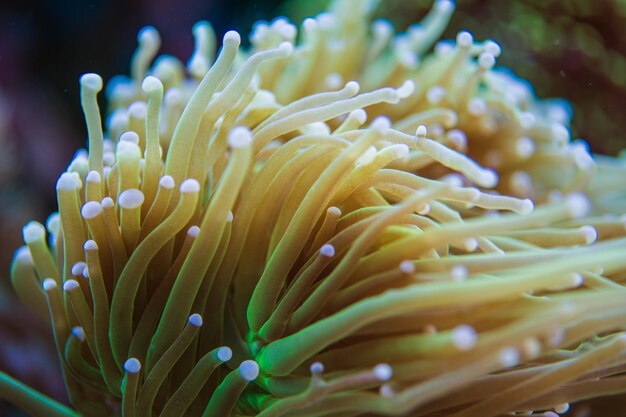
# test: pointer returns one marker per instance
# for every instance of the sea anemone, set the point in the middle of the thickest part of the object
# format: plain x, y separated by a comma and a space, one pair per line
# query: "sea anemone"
241, 241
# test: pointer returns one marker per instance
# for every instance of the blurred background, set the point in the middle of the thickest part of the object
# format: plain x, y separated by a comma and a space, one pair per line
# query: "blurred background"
575, 49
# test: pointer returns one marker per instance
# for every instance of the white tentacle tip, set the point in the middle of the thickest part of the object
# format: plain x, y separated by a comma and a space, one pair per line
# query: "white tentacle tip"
583, 160
68, 182
90, 210
527, 120
78, 268
326, 21
531, 347
381, 124
173, 97
590, 234
239, 137
49, 284
334, 211
578, 205
195, 320
224, 354
201, 27
486, 61
333, 81
383, 372
23, 255
470, 244
477, 106
91, 81
557, 335
132, 366
407, 267
94, 177
352, 87
443, 48
152, 85
509, 357
107, 202
317, 368
560, 133
401, 150
382, 27
286, 48
576, 280
386, 391
53, 223
190, 186
128, 137
525, 147
423, 209
435, 94
493, 48
464, 39
359, 115
327, 250
79, 333
309, 24
526, 207
138, 110
457, 137
193, 231
90, 245
406, 89
131, 198
167, 181
198, 65
464, 337
421, 131
459, 273
232, 36
70, 285
445, 6
33, 232
249, 370
148, 34
489, 178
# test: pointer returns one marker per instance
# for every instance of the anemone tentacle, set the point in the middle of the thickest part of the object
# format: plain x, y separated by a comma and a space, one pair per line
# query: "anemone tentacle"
239, 240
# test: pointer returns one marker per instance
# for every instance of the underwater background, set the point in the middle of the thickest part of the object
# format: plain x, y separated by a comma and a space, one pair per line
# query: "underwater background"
571, 49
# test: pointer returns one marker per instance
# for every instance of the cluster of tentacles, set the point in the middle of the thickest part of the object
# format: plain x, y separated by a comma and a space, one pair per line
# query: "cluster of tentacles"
341, 225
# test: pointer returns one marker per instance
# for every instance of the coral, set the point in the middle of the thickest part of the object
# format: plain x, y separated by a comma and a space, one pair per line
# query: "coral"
240, 241
565, 48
